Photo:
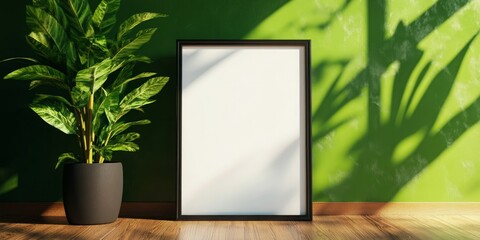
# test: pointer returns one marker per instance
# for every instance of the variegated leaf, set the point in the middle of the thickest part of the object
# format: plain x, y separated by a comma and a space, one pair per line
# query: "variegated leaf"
93, 77
40, 21
119, 127
132, 46
40, 44
39, 73
104, 16
139, 76
66, 157
42, 97
79, 16
57, 115
135, 20
128, 137
141, 95
125, 147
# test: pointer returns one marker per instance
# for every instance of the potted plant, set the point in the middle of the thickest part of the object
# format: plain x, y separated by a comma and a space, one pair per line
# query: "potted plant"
85, 72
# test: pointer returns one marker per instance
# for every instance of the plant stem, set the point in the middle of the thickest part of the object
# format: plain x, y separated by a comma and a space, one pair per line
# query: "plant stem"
81, 126
101, 159
83, 136
89, 129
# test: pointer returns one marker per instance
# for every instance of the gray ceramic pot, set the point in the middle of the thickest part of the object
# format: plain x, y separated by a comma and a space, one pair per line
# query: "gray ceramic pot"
92, 193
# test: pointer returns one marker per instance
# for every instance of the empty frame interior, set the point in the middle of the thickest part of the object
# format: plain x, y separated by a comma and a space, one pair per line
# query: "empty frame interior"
243, 131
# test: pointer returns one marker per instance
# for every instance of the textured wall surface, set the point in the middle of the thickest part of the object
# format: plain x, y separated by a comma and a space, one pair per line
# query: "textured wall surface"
395, 88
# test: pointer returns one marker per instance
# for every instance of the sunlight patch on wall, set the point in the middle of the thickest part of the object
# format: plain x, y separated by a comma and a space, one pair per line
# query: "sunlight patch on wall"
407, 146
404, 10
453, 176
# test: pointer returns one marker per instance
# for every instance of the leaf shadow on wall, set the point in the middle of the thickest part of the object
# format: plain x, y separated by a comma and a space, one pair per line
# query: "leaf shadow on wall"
376, 174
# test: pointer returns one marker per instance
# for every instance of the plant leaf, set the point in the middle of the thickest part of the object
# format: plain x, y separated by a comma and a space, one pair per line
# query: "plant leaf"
71, 58
128, 137
134, 20
112, 104
53, 8
112, 113
42, 73
80, 96
79, 16
131, 47
119, 63
65, 157
100, 49
41, 38
20, 58
37, 83
43, 97
56, 114
104, 16
108, 102
119, 127
107, 151
45, 4
92, 78
39, 43
40, 21
125, 146
139, 76
36, 72
143, 59
98, 110
124, 74
141, 95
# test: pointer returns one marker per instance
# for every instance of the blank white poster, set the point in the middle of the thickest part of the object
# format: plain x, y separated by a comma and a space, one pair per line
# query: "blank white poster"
243, 130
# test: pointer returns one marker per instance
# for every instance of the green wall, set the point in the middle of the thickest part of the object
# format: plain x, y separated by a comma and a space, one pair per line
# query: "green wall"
395, 97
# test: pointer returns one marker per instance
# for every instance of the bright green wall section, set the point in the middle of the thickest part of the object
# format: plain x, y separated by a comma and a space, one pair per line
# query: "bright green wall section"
395, 97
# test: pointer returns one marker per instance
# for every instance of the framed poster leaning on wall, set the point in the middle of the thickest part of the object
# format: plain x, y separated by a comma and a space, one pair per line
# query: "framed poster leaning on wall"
244, 148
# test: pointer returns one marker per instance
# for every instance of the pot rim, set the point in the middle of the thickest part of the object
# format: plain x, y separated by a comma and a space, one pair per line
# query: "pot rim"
95, 163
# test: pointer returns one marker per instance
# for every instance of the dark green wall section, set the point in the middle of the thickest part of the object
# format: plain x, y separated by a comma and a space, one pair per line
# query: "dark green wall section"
27, 165
395, 97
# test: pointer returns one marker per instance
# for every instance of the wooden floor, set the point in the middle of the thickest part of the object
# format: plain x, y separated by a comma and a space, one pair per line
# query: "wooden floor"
323, 227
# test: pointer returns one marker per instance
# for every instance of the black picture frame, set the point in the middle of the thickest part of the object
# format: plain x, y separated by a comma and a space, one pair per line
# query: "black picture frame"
184, 123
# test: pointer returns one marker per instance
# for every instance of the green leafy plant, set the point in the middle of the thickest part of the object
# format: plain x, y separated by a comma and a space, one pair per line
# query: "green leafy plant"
89, 68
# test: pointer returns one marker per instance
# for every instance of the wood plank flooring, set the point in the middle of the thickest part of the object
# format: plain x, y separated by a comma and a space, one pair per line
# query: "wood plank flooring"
322, 227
